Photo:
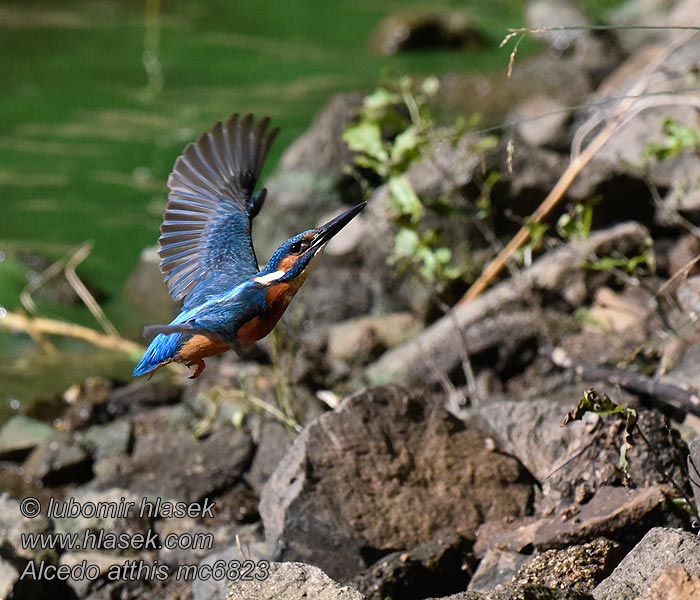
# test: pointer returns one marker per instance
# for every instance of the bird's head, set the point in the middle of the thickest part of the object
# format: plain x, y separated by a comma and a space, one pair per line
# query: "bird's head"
297, 256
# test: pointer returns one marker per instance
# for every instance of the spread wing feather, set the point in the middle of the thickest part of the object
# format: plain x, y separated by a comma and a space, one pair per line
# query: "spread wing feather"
205, 242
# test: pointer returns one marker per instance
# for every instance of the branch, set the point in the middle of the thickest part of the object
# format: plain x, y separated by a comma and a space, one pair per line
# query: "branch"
16, 322
665, 394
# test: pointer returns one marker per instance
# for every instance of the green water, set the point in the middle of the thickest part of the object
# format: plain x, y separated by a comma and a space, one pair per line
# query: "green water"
85, 146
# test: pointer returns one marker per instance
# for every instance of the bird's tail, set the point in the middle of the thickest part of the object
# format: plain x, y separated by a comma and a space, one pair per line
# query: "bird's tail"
160, 351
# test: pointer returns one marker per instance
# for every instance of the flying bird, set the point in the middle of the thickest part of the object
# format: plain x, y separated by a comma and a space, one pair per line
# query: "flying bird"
207, 255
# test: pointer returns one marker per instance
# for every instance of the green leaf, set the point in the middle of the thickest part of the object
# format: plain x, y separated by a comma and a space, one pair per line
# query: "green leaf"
630, 265
678, 137
406, 242
443, 255
367, 139
484, 144
404, 199
598, 403
405, 147
377, 103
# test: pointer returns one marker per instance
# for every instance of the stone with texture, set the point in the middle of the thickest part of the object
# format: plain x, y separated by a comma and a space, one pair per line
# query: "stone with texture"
614, 512
292, 581
675, 583
579, 567
175, 465
13, 525
520, 592
659, 549
541, 121
386, 471
361, 339
210, 588
576, 460
59, 460
20, 434
273, 441
106, 441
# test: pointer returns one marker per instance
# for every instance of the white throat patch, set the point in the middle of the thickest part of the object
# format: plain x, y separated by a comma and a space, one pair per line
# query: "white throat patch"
269, 278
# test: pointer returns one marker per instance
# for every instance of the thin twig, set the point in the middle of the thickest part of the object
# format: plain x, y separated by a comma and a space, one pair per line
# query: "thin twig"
16, 322
88, 299
51, 271
274, 411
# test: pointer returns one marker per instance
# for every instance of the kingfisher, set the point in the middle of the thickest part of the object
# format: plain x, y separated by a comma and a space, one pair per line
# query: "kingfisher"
206, 249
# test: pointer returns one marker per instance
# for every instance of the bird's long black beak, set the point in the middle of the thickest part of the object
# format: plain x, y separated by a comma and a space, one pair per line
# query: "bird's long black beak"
327, 231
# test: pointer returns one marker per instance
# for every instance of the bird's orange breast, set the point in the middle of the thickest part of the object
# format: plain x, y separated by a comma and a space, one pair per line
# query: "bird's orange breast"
200, 346
278, 297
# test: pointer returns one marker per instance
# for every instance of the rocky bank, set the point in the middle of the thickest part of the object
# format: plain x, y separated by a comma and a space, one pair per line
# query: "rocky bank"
396, 442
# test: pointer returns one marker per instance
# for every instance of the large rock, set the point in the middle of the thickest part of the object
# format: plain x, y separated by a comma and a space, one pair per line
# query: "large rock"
176, 465
272, 443
384, 472
614, 512
572, 462
658, 550
292, 581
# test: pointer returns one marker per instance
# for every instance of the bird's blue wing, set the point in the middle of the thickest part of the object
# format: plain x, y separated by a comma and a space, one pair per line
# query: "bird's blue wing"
220, 316
205, 242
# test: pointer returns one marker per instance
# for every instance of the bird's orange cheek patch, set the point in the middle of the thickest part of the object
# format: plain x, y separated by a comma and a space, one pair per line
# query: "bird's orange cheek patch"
287, 263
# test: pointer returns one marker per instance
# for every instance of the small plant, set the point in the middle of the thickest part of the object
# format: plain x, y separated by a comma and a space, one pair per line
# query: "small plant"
600, 403
576, 223
677, 138
629, 265
395, 126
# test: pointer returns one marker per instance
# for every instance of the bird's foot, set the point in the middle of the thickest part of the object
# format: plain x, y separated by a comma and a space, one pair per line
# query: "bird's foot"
199, 364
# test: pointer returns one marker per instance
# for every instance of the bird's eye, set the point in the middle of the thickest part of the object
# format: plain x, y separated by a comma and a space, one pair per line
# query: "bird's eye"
295, 248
